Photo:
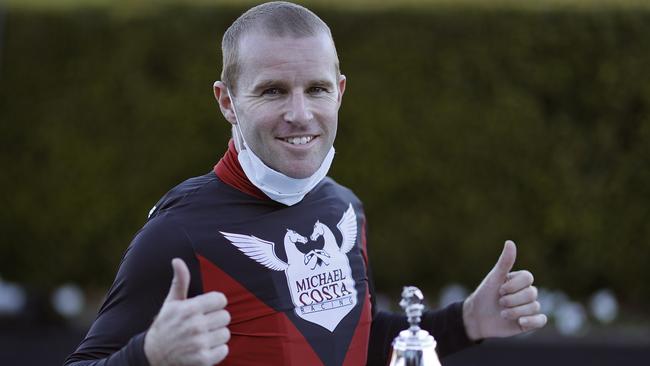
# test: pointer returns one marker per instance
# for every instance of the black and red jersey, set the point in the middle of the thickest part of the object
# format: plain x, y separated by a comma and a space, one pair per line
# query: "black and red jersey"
296, 277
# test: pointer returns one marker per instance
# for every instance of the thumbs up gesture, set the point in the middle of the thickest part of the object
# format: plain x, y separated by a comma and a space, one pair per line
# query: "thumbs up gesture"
188, 331
505, 303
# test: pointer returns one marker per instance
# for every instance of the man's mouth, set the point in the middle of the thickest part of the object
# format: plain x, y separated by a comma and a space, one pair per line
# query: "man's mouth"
298, 140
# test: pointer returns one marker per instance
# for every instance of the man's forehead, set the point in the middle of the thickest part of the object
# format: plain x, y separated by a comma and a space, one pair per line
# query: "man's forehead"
260, 52
255, 41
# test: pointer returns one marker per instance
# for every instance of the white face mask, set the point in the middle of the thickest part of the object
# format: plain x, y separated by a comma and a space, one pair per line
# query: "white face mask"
277, 186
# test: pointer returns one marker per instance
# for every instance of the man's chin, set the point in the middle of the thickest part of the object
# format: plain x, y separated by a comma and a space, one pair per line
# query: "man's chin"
298, 169
299, 173
298, 166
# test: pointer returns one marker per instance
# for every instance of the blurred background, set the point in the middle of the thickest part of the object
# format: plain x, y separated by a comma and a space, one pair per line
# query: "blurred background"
465, 123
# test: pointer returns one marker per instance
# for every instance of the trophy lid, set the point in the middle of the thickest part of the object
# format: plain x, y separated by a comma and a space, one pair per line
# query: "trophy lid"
407, 340
413, 346
411, 302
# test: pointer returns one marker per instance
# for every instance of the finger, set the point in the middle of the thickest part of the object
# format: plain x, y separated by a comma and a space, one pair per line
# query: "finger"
532, 322
517, 312
217, 319
516, 282
180, 281
525, 296
218, 337
506, 260
217, 354
207, 302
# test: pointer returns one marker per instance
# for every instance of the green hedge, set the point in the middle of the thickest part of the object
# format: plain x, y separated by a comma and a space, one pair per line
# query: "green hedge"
460, 128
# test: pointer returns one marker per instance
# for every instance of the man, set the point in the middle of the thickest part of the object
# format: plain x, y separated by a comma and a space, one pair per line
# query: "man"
268, 234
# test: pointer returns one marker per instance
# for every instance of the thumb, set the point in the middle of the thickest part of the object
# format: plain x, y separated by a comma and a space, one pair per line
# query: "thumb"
506, 261
180, 282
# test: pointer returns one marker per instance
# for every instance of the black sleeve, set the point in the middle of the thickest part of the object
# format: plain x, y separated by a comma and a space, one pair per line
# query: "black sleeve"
140, 287
445, 325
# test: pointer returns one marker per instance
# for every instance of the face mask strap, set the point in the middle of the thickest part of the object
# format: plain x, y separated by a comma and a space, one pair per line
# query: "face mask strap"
241, 145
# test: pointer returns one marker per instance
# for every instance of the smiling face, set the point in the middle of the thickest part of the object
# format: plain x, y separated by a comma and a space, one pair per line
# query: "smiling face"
287, 100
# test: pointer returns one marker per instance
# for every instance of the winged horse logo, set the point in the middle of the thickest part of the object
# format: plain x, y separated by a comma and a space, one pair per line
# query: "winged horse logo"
320, 282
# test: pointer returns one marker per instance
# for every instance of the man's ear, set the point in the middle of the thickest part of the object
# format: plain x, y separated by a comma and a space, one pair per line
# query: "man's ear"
225, 103
341, 86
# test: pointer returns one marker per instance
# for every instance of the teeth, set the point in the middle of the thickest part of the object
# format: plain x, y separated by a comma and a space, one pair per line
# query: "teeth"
299, 140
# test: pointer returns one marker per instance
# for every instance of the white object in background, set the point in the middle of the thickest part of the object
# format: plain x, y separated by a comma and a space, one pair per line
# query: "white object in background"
570, 318
382, 302
68, 300
451, 294
12, 298
550, 301
604, 306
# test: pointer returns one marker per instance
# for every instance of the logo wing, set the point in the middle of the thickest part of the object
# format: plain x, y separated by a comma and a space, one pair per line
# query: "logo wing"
348, 228
261, 251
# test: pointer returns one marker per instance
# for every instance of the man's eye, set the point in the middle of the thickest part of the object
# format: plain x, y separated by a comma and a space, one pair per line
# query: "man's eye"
272, 91
317, 90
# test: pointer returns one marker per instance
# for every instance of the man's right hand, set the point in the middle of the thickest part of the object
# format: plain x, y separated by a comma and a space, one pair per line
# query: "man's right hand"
188, 331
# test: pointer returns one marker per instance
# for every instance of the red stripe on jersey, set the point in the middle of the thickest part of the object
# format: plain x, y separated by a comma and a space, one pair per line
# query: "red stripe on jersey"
358, 350
260, 335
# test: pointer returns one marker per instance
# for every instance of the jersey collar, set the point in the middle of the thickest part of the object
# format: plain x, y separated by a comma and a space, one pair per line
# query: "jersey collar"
230, 172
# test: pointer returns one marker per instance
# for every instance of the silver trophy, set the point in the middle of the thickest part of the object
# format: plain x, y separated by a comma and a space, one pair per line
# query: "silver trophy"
413, 346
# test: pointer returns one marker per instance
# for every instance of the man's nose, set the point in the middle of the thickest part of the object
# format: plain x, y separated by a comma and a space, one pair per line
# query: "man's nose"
298, 110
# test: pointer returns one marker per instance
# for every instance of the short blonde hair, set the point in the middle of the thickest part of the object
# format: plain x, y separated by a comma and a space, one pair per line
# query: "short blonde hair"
277, 18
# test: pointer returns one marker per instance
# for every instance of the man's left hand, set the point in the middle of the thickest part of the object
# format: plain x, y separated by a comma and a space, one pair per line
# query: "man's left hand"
505, 303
